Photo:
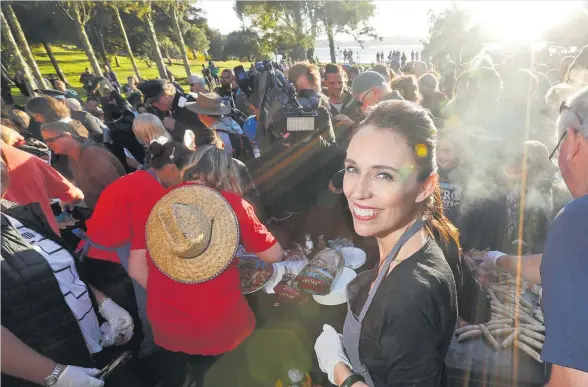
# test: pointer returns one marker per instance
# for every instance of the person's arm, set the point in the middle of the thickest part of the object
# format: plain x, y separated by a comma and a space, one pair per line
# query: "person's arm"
57, 185
273, 254
255, 236
23, 362
138, 269
530, 265
567, 377
342, 372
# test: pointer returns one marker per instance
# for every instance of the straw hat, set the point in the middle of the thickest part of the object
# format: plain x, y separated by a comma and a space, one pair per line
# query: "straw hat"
192, 234
209, 104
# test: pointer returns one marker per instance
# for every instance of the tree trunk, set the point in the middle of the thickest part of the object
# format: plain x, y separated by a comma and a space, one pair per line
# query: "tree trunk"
329, 27
180, 39
126, 39
156, 51
54, 62
116, 60
101, 42
83, 37
20, 61
24, 45
313, 31
300, 51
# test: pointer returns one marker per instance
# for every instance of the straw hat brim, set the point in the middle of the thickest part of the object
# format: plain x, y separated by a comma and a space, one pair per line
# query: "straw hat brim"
223, 242
222, 111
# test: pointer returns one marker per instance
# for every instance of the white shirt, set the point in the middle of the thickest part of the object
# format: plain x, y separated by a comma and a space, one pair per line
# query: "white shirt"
73, 289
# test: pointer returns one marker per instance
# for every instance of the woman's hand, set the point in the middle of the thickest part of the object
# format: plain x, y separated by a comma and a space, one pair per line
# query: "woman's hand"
329, 351
120, 321
491, 257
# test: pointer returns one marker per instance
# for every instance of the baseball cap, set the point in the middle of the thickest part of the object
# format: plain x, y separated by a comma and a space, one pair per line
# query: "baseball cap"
153, 88
195, 79
365, 81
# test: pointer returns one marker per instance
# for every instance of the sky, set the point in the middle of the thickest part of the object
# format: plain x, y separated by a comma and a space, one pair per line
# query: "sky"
507, 20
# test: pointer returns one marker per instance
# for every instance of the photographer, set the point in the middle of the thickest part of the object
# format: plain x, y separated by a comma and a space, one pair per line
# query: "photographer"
292, 172
307, 79
169, 106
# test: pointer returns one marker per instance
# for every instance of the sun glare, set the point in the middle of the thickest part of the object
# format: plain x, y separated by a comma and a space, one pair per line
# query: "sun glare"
519, 21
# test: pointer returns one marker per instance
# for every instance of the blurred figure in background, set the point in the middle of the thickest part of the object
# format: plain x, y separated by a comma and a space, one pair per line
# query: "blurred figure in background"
433, 99
408, 87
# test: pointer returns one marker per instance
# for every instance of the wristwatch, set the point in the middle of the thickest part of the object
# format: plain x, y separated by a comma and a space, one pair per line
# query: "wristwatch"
52, 379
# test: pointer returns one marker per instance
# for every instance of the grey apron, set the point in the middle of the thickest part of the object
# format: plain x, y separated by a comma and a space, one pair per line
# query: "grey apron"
352, 326
123, 253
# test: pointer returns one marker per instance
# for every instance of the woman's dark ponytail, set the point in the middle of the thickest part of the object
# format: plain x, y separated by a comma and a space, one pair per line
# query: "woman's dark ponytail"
159, 155
437, 222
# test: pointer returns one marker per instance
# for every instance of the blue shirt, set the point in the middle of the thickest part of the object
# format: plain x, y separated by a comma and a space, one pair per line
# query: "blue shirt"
564, 276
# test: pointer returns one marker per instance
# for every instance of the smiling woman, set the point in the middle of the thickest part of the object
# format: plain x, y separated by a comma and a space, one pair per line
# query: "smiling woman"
401, 315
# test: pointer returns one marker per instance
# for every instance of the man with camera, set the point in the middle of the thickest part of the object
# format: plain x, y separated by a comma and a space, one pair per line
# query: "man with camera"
170, 107
296, 164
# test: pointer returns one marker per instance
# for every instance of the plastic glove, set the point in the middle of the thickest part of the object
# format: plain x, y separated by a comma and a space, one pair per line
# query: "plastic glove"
74, 376
491, 257
120, 321
329, 351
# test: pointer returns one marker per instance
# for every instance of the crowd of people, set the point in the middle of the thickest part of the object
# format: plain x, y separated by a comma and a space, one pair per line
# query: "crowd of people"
413, 160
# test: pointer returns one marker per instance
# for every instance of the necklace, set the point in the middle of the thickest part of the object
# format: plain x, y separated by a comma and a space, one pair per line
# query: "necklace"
152, 173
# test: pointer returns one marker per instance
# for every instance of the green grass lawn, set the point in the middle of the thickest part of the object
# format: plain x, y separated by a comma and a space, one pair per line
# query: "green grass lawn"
73, 61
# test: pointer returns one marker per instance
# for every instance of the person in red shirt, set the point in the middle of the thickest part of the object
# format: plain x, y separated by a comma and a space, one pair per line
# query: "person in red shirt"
33, 180
116, 230
196, 322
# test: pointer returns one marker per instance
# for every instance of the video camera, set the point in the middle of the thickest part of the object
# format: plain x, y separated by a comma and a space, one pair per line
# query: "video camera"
275, 97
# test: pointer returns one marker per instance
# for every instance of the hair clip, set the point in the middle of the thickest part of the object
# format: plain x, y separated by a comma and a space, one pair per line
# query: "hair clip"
172, 156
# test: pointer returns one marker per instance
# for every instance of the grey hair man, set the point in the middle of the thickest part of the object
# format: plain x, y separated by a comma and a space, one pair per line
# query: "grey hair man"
73, 104
197, 84
562, 269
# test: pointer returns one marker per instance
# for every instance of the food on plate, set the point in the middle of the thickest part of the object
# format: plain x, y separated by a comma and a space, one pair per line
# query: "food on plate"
254, 273
321, 272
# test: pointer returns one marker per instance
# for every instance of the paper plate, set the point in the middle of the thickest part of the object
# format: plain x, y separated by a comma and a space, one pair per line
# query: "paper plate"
354, 257
338, 295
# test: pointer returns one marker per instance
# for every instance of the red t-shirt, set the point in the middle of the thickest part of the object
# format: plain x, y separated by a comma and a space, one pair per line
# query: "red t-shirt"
33, 180
212, 317
121, 214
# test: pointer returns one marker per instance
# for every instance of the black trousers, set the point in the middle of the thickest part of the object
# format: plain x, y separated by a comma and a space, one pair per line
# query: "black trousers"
178, 369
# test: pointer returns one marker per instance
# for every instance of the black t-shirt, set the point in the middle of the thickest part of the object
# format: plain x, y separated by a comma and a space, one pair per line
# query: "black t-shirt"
408, 328
452, 185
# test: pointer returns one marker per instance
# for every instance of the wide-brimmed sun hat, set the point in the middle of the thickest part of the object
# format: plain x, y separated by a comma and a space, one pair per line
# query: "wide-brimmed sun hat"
192, 234
209, 104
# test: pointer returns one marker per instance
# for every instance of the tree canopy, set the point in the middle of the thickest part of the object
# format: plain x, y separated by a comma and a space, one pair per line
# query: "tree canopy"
452, 34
